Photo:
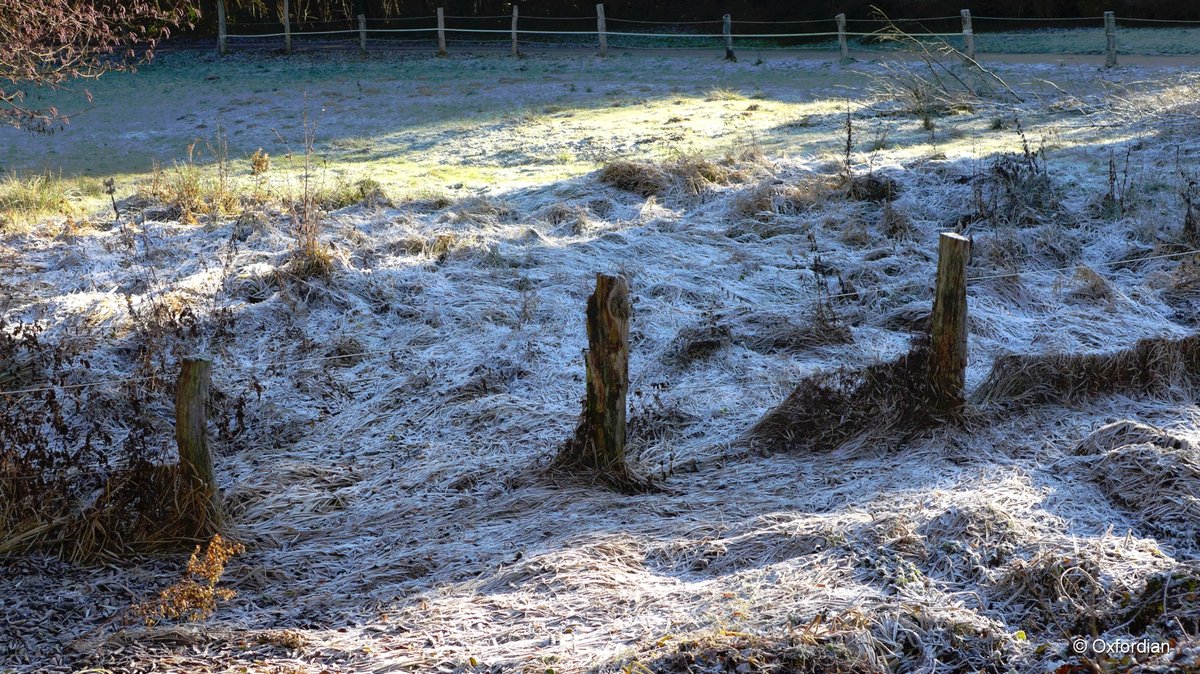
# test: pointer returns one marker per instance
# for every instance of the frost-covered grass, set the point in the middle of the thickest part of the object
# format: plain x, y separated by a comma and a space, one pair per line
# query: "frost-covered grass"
385, 468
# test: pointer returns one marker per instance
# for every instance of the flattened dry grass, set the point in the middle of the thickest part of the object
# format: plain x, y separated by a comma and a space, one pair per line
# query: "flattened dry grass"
732, 651
1151, 366
830, 409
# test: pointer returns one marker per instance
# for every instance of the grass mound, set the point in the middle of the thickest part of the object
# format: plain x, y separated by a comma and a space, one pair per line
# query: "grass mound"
1170, 599
830, 409
1151, 366
1149, 473
967, 541
1061, 591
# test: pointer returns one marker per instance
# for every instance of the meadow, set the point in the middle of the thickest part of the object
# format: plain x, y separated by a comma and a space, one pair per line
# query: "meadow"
387, 260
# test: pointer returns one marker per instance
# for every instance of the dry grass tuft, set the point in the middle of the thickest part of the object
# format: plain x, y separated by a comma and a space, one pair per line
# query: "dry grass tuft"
772, 198
192, 188
260, 163
24, 199
724, 94
776, 333
698, 342
872, 187
689, 174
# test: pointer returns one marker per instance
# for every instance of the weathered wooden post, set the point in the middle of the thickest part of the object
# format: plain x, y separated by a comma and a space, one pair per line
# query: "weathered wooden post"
362, 34
842, 46
968, 34
222, 40
287, 27
197, 479
729, 38
601, 30
1110, 34
515, 52
599, 442
948, 331
441, 17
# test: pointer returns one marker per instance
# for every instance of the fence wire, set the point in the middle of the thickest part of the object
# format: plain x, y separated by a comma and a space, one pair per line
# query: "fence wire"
379, 354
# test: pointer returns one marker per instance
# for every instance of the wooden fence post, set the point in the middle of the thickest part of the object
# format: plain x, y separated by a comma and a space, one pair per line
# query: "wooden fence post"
729, 38
441, 17
222, 40
601, 30
842, 46
362, 34
515, 52
968, 34
1110, 35
599, 442
287, 27
948, 331
191, 437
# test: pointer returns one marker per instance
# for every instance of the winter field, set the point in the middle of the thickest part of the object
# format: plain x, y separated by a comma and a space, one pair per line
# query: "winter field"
393, 301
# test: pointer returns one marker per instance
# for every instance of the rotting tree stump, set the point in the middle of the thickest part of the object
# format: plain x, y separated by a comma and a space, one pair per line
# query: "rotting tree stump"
598, 446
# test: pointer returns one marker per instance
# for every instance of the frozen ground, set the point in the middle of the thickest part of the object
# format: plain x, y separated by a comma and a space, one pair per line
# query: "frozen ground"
386, 472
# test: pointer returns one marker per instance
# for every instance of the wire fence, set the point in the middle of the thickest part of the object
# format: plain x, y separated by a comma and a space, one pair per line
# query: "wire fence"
1102, 34
382, 354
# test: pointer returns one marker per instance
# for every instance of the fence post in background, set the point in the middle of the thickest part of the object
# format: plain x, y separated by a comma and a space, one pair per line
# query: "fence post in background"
287, 27
362, 34
841, 26
515, 52
222, 41
948, 330
968, 34
202, 497
441, 16
1110, 34
601, 30
729, 39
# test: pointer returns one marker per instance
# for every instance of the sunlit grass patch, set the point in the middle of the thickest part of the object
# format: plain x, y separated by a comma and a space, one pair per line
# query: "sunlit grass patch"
26, 198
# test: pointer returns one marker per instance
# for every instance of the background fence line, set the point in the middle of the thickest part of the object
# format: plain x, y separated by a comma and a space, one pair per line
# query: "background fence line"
680, 30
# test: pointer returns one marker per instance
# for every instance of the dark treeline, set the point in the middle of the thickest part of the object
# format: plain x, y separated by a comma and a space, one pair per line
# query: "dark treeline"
701, 10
